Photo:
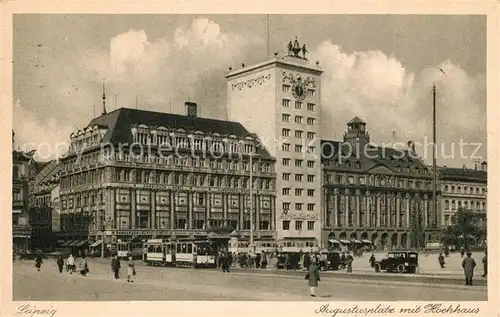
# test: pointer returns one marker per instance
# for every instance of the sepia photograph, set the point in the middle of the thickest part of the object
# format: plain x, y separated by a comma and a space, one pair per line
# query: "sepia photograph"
250, 157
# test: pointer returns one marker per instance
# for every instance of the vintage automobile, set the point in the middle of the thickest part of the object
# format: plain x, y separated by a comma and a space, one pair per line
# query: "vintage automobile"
398, 261
332, 261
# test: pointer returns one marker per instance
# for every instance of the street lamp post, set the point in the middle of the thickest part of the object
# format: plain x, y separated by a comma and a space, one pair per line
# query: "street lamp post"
251, 203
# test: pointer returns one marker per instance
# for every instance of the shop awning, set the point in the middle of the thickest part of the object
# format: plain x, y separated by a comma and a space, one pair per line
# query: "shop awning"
67, 243
95, 244
344, 241
334, 241
81, 243
366, 241
72, 244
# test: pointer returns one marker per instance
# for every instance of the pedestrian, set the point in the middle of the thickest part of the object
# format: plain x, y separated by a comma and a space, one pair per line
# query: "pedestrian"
372, 260
264, 260
468, 264
349, 260
38, 262
446, 251
60, 263
130, 270
83, 266
71, 264
343, 260
441, 260
485, 265
462, 252
313, 277
115, 266
224, 263
307, 261
257, 260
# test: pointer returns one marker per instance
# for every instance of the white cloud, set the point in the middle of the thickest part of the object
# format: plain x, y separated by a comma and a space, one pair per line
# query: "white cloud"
390, 98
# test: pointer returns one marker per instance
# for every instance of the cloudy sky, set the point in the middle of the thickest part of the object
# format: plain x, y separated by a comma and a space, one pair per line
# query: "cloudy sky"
380, 68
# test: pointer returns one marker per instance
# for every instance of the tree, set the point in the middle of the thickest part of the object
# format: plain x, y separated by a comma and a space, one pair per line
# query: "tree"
465, 229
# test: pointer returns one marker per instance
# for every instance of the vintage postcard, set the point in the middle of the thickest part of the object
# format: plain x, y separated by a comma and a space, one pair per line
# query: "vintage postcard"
249, 159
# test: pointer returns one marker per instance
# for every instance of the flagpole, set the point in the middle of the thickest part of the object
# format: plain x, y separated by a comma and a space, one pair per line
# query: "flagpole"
267, 23
434, 165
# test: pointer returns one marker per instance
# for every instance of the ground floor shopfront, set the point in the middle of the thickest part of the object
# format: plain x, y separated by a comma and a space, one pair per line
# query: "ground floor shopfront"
111, 241
381, 238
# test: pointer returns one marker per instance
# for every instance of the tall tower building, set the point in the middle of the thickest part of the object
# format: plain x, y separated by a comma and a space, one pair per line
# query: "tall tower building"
279, 99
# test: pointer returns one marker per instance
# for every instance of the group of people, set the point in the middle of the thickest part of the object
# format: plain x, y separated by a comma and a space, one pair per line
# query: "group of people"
116, 266
72, 264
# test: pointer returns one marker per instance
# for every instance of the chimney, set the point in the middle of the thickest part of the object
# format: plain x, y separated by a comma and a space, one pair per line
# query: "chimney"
191, 109
484, 166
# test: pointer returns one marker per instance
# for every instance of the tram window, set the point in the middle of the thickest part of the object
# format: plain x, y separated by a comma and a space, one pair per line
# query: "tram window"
184, 248
194, 248
178, 248
189, 248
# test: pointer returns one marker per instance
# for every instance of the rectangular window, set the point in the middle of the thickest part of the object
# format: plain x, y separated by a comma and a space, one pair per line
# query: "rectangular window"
285, 103
286, 176
298, 206
286, 191
286, 206
310, 135
286, 224
299, 177
310, 121
285, 132
310, 225
310, 107
286, 162
310, 192
298, 191
298, 163
285, 117
298, 105
311, 149
298, 225
298, 148
298, 119
310, 164
310, 178
298, 134
310, 207
286, 88
311, 92
285, 147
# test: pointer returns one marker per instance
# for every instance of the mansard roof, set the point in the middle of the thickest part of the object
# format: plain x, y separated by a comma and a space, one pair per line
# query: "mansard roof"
463, 174
392, 159
120, 121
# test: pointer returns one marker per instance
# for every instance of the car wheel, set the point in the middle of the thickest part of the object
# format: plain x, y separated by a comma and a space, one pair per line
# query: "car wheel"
377, 267
401, 268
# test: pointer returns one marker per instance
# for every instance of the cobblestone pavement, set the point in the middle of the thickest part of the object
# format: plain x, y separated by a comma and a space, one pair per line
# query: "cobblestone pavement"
157, 283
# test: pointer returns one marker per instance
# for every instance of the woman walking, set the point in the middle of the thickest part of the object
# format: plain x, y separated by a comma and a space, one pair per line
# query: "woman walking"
313, 277
130, 270
38, 262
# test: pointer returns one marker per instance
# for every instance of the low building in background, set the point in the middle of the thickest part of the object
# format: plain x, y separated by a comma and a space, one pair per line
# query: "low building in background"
464, 189
44, 205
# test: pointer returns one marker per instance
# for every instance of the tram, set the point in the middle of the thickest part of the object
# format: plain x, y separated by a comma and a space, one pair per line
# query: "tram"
196, 254
126, 248
159, 252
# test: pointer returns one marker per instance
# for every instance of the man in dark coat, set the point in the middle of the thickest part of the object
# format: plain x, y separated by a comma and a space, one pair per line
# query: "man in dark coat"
115, 266
263, 260
462, 252
468, 264
349, 260
441, 260
372, 260
485, 264
60, 263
